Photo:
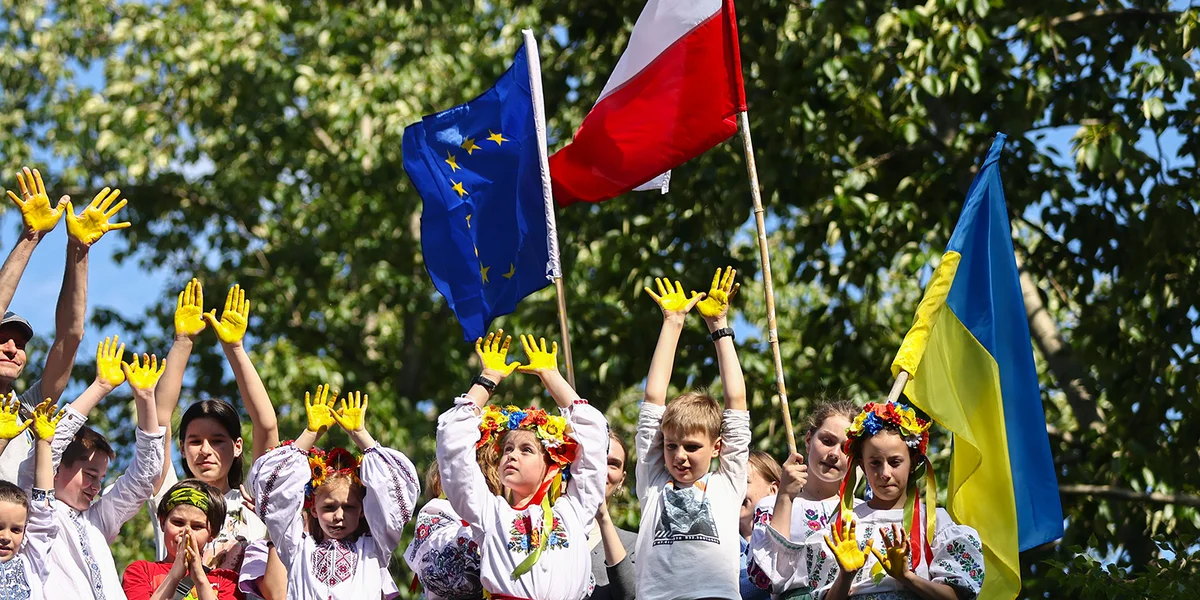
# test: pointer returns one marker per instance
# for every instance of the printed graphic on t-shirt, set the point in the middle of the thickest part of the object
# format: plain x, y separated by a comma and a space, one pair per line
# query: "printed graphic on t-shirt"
686, 516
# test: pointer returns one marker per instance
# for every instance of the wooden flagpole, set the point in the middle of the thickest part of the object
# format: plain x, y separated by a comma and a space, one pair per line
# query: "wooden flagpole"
554, 269
765, 258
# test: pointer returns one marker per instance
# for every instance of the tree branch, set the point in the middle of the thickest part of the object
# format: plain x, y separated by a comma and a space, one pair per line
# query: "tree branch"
1125, 13
1116, 493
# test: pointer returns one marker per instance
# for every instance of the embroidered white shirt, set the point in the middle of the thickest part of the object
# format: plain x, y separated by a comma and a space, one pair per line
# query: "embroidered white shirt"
778, 562
444, 554
28, 570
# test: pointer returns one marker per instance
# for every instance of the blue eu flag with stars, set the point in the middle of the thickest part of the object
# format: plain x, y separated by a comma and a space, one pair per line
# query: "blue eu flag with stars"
483, 225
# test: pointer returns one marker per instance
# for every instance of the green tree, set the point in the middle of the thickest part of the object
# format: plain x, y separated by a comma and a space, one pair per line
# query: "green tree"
260, 143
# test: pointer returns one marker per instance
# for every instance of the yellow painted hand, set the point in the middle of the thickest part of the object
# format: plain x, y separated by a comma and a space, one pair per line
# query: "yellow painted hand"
39, 216
723, 289
320, 410
93, 222
897, 560
189, 310
232, 326
352, 416
844, 545
143, 375
672, 300
494, 354
10, 417
108, 362
45, 420
539, 359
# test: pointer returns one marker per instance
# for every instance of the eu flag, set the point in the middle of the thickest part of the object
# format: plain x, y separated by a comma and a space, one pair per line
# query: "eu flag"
483, 226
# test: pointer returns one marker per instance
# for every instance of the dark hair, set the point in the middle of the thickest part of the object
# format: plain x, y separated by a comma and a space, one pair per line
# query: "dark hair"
856, 444
227, 417
216, 503
830, 408
9, 492
87, 442
612, 435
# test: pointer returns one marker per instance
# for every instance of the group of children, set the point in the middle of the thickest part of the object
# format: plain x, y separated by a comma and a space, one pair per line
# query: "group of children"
518, 506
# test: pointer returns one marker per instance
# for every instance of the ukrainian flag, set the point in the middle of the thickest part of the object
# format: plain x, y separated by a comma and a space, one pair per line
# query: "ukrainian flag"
970, 362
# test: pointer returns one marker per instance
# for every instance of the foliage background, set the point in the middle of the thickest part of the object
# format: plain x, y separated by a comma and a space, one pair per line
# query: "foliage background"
259, 143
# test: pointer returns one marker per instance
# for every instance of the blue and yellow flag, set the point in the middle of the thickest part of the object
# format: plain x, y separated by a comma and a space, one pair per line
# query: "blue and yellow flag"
971, 361
483, 225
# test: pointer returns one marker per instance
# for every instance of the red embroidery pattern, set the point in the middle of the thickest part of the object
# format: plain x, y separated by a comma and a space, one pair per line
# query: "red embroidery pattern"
334, 562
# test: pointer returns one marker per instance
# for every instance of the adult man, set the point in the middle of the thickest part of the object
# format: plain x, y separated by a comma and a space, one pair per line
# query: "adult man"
15, 332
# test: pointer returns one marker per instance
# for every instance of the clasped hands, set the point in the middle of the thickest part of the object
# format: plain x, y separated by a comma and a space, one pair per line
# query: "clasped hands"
350, 415
493, 352
713, 305
40, 217
190, 317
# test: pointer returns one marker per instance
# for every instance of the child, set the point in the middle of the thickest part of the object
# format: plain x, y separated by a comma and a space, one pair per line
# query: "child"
190, 514
806, 503
762, 484
689, 544
534, 541
444, 554
924, 555
356, 513
27, 526
80, 557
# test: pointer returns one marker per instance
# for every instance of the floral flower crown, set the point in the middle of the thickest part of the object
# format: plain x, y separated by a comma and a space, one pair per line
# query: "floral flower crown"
553, 431
875, 416
322, 464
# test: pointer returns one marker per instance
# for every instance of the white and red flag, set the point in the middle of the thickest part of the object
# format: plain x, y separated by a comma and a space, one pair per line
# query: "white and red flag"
675, 93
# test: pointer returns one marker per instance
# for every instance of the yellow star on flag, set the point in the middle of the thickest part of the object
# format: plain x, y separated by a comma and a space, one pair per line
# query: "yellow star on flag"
468, 221
483, 272
497, 137
458, 187
469, 145
512, 269
450, 161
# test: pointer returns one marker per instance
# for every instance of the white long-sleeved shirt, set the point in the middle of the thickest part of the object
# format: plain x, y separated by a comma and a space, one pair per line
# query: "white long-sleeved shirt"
29, 568
689, 546
778, 560
444, 554
505, 534
334, 569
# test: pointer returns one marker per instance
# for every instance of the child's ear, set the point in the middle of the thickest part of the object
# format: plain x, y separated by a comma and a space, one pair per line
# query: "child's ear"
717, 447
237, 448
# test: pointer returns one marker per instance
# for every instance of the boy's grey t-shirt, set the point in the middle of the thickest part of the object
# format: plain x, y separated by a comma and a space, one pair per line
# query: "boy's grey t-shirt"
688, 543
19, 447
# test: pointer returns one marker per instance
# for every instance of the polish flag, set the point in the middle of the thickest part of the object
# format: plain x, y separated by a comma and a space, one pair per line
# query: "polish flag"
674, 94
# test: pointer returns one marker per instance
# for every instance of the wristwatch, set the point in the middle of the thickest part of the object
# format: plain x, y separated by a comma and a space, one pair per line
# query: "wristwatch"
484, 383
720, 333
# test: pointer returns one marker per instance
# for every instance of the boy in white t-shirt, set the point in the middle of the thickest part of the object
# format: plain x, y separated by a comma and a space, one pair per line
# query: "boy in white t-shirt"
689, 542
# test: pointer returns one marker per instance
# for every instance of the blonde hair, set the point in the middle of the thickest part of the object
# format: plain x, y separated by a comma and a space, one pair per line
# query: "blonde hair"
766, 466
488, 460
691, 412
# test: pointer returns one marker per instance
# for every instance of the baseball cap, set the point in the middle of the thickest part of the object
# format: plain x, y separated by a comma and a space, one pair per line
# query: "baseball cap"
13, 318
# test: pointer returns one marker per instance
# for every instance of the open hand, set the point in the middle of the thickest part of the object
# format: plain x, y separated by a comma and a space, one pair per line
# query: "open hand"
10, 417
232, 326
320, 410
189, 310
39, 216
897, 561
844, 545
108, 362
91, 224
353, 412
672, 301
143, 375
494, 354
539, 359
45, 420
716, 302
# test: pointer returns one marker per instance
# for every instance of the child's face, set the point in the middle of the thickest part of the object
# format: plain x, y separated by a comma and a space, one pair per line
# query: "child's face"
523, 462
826, 461
209, 451
757, 488
887, 464
12, 529
182, 519
616, 469
337, 509
78, 484
689, 455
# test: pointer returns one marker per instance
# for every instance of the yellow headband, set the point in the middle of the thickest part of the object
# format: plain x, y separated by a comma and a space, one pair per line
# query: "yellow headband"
189, 496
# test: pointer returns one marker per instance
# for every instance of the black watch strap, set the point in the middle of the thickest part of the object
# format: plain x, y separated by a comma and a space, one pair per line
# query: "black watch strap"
720, 333
485, 383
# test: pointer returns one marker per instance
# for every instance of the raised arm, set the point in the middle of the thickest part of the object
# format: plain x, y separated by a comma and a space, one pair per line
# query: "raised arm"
675, 306
715, 310
320, 417
11, 424
231, 330
494, 355
544, 364
189, 307
40, 218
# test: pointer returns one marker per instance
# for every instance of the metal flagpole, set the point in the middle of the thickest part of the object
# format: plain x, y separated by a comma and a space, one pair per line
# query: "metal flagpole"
764, 256
554, 268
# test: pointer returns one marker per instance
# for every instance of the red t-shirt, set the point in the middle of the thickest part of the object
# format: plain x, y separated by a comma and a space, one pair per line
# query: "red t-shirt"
143, 577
